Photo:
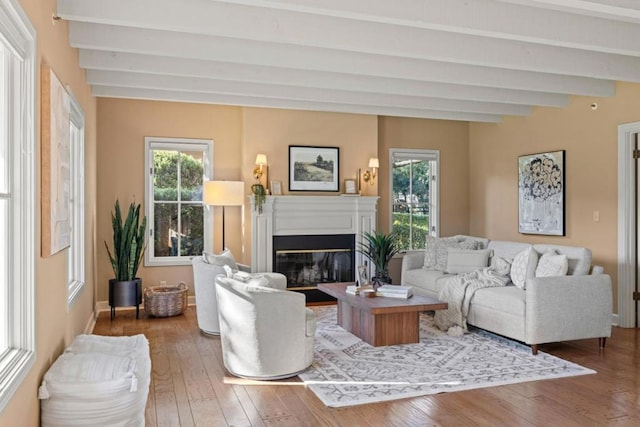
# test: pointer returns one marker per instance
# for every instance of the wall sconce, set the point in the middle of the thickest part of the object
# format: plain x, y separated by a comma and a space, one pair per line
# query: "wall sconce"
261, 162
370, 176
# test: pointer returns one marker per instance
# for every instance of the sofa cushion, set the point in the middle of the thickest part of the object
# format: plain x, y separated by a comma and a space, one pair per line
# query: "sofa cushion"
524, 267
221, 259
507, 299
423, 279
465, 260
436, 250
552, 264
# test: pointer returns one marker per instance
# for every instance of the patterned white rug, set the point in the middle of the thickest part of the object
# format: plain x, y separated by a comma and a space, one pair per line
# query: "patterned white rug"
348, 371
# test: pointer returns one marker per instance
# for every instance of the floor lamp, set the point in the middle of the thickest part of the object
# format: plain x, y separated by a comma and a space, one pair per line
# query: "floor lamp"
223, 193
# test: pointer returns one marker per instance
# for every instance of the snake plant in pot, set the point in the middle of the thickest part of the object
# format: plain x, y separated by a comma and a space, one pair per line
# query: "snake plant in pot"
379, 248
128, 249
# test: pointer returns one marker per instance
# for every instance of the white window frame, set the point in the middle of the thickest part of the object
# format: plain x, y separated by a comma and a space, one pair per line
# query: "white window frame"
18, 315
434, 187
178, 144
76, 257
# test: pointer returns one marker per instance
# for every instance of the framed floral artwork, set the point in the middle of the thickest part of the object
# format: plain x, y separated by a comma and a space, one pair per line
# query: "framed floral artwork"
541, 196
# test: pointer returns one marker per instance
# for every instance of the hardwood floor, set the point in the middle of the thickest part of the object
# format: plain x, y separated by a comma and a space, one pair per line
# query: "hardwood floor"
189, 387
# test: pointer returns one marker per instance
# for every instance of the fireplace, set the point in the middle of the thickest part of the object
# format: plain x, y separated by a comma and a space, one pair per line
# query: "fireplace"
307, 260
302, 228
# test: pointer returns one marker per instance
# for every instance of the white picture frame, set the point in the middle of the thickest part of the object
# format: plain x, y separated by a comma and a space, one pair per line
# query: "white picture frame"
276, 188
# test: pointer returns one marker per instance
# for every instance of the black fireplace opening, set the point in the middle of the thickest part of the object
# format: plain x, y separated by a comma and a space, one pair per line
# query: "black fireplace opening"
307, 260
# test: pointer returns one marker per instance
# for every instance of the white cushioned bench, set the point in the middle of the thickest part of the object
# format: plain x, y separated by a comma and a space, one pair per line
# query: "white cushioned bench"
97, 380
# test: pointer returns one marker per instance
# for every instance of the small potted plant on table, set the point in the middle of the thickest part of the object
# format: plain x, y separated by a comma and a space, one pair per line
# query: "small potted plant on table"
379, 248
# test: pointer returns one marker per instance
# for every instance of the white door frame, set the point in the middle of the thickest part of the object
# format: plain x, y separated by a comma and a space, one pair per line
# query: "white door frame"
627, 251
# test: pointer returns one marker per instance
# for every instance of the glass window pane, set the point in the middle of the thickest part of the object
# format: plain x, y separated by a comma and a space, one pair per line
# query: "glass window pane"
191, 173
165, 229
411, 204
191, 229
165, 175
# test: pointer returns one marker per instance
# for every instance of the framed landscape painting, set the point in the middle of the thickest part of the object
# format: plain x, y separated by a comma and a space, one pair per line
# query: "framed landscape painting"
313, 168
541, 194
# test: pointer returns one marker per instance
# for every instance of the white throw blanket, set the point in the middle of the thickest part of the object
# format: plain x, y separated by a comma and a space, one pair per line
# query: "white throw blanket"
458, 291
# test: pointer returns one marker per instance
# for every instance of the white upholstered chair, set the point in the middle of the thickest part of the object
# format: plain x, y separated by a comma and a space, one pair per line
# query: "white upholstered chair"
205, 270
265, 333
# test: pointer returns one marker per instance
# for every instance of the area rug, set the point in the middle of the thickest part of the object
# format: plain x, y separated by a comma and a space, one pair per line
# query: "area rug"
348, 371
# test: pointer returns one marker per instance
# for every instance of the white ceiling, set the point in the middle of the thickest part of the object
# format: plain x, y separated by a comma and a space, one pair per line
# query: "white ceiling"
474, 60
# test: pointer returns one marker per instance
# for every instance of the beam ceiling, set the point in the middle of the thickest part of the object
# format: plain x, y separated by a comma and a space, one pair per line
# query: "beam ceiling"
448, 59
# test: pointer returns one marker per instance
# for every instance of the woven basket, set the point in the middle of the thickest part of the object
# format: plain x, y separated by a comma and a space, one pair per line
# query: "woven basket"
165, 301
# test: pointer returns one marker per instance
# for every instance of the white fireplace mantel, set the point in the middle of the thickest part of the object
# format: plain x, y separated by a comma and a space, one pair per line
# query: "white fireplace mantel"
308, 215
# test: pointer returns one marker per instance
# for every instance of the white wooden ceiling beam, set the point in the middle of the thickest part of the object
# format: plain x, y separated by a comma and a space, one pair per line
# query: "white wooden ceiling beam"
246, 101
212, 18
180, 45
623, 10
517, 21
115, 61
479, 18
227, 87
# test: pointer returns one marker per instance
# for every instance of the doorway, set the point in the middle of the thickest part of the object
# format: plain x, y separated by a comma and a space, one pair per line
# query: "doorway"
628, 224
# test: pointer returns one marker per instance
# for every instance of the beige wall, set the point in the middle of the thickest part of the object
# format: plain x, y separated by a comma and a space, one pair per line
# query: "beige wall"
590, 140
271, 131
122, 127
55, 325
452, 139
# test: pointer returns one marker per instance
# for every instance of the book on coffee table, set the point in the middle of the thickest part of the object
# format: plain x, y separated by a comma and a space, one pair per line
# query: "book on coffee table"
395, 291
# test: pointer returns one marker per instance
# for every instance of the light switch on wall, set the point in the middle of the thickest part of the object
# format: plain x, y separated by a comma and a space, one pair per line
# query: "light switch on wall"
596, 216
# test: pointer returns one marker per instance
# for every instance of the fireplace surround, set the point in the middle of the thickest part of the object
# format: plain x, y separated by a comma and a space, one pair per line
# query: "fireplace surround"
311, 225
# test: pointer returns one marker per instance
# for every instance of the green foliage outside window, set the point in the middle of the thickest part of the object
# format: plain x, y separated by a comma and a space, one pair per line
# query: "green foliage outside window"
402, 228
178, 210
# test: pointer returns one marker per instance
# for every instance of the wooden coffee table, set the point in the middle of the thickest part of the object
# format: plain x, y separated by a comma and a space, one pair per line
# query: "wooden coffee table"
380, 320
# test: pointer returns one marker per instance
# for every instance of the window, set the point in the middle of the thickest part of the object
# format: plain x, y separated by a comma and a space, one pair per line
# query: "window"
414, 201
179, 223
17, 197
77, 211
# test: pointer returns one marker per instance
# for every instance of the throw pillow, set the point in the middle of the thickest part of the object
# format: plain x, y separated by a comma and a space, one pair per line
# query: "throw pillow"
465, 261
436, 251
552, 264
524, 267
501, 266
220, 260
432, 246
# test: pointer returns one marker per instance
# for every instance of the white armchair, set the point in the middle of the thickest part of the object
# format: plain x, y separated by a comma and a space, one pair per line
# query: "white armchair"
265, 333
204, 276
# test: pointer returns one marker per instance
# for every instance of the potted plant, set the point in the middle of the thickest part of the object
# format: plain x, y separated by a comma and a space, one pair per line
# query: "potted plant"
379, 248
259, 196
128, 248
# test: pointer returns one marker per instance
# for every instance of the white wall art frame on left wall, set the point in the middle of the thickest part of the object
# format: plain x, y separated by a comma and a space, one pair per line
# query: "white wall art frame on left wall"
56, 164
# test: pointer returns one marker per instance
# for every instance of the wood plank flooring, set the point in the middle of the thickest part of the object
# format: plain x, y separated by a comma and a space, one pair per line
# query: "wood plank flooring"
190, 387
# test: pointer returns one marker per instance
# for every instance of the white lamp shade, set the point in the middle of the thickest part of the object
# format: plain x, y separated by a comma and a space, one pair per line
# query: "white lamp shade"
223, 193
261, 159
374, 163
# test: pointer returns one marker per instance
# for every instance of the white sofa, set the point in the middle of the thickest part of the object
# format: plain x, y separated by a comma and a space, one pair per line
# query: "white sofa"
265, 333
575, 306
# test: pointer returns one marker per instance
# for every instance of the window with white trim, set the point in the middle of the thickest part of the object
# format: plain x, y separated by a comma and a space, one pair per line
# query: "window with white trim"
414, 201
77, 209
17, 197
179, 223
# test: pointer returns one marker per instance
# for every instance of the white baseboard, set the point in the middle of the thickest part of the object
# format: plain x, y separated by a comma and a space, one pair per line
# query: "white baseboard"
104, 306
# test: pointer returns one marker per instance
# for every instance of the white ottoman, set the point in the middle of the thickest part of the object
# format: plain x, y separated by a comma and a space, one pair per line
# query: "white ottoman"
98, 380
